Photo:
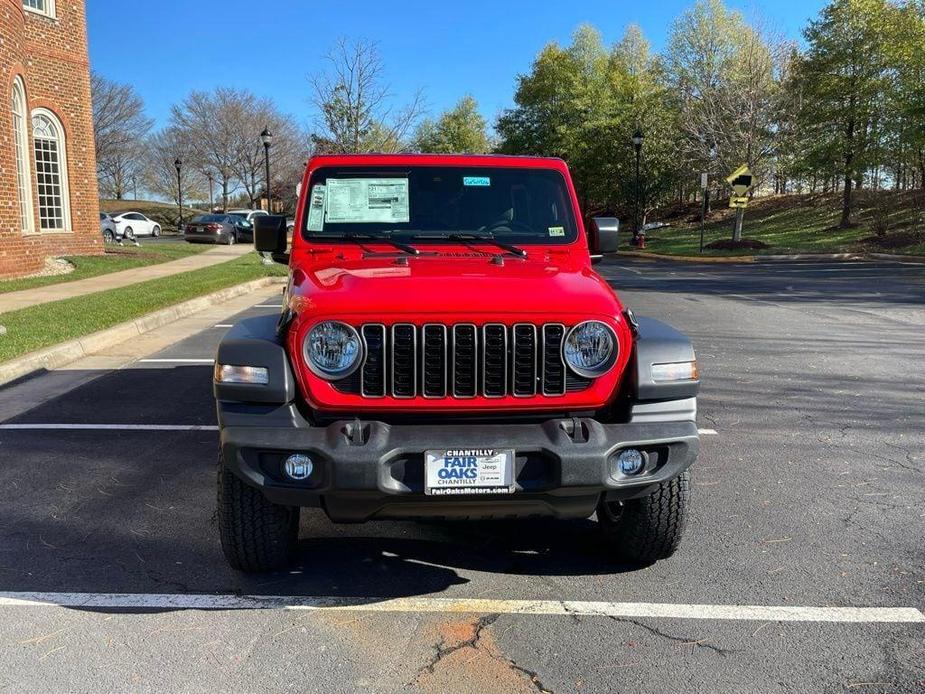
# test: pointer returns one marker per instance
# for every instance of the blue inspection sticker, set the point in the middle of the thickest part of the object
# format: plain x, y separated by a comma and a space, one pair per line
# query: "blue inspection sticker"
478, 181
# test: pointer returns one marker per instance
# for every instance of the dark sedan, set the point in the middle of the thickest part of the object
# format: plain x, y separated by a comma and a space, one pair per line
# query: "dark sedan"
219, 228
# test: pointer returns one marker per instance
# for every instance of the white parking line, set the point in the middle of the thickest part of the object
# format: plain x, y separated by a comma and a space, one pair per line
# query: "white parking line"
268, 306
223, 325
176, 361
708, 432
107, 427
770, 613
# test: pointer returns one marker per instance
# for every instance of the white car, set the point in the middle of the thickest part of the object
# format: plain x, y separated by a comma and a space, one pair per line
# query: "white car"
248, 215
131, 225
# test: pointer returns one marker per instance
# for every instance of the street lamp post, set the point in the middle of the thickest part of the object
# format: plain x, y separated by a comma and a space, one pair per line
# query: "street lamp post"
211, 198
267, 138
638, 138
179, 165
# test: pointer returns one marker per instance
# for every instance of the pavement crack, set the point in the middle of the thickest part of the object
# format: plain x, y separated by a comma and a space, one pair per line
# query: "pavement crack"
699, 643
532, 675
441, 650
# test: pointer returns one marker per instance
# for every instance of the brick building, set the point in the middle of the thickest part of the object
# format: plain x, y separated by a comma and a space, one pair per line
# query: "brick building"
49, 205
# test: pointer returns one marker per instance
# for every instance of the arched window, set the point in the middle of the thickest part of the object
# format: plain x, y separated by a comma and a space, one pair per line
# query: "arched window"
20, 144
51, 171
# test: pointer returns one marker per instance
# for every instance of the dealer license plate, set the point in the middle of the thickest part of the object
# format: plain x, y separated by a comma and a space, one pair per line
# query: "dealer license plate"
469, 471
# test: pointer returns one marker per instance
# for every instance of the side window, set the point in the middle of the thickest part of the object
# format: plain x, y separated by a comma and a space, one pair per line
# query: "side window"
51, 171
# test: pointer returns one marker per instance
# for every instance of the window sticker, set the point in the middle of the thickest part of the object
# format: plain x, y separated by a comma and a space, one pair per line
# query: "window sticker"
557, 231
367, 200
316, 208
476, 181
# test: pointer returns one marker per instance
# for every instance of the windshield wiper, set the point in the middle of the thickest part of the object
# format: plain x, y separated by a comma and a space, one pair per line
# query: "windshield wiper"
384, 237
487, 237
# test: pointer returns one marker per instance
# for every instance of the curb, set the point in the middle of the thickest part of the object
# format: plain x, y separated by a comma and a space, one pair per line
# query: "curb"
741, 259
66, 352
686, 258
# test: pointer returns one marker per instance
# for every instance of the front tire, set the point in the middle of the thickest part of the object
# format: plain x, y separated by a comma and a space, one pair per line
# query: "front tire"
257, 535
155, 232
643, 531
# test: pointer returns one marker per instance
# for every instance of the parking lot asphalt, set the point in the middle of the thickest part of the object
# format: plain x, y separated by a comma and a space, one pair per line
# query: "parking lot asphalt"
810, 493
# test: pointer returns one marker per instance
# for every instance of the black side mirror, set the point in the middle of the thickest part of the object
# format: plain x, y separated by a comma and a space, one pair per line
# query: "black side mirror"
605, 237
270, 237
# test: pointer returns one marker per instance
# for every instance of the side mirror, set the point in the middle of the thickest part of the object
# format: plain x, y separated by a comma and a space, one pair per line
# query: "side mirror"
605, 237
270, 237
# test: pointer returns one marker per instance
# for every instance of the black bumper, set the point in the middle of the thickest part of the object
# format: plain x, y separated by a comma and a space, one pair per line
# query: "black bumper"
370, 469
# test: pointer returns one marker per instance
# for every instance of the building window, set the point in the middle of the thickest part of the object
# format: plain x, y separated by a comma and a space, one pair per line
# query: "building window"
21, 145
45, 7
51, 171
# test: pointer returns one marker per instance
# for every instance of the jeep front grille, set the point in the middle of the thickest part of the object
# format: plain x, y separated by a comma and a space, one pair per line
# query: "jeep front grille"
463, 361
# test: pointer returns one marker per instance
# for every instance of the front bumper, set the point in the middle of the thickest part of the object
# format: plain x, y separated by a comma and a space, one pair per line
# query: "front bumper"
370, 469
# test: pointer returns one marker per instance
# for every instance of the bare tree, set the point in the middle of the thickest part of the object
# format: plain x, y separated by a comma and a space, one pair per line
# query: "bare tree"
120, 127
356, 108
290, 146
163, 150
213, 124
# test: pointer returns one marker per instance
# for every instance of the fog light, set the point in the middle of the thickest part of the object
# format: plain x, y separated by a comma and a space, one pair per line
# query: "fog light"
631, 461
299, 467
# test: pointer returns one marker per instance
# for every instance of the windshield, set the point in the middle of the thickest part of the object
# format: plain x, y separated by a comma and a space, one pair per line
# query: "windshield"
518, 205
210, 218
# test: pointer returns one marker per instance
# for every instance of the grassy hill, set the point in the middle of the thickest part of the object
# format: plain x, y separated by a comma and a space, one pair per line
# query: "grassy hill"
164, 213
884, 222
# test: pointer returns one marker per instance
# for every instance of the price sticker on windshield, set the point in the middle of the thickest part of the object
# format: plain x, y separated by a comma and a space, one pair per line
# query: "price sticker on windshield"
476, 181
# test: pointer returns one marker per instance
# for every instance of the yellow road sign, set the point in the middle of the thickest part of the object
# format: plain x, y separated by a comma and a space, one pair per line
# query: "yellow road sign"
741, 180
737, 201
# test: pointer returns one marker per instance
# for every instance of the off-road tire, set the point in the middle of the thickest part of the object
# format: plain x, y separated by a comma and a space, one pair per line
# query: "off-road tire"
643, 531
257, 535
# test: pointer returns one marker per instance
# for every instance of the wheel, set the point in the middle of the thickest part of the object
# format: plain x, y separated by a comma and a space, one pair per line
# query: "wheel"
257, 535
232, 239
129, 234
642, 531
156, 231
108, 236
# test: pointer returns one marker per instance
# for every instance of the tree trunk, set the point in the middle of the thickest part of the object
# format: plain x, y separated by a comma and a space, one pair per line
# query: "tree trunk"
224, 194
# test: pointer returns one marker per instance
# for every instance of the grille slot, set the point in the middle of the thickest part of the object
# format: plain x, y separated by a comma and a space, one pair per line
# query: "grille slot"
463, 361
465, 365
494, 361
554, 371
404, 360
524, 360
373, 371
433, 354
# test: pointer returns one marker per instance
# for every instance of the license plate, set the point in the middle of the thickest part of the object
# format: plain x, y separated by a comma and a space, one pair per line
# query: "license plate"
469, 471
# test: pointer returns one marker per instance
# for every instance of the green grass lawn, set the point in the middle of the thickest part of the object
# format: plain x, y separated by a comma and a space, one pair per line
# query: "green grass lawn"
802, 224
117, 258
49, 324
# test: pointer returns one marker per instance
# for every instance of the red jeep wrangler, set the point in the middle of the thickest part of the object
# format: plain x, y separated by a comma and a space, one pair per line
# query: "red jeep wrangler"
446, 351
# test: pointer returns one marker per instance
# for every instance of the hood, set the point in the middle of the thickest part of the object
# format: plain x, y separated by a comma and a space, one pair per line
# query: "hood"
448, 282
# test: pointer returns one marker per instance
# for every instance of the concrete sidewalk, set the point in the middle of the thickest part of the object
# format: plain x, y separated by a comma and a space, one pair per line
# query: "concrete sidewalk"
14, 301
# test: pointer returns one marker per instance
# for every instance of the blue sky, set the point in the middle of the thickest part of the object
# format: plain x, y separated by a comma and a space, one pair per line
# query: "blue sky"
165, 48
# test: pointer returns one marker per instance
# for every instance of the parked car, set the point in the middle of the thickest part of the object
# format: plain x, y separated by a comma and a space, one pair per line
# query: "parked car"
446, 350
219, 228
131, 225
108, 228
248, 214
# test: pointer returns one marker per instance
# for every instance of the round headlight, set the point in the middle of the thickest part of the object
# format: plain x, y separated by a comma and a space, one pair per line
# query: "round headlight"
333, 350
590, 349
